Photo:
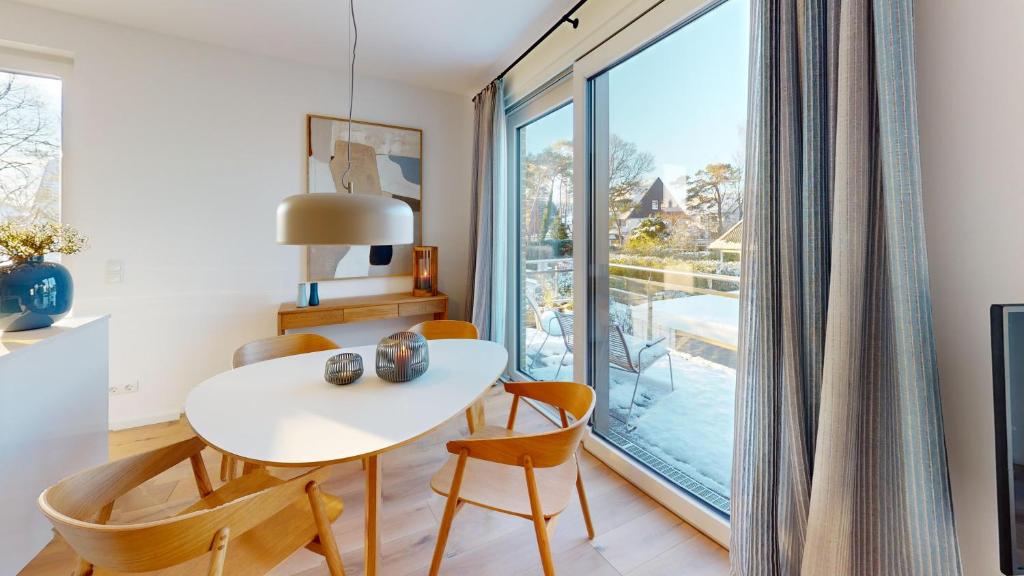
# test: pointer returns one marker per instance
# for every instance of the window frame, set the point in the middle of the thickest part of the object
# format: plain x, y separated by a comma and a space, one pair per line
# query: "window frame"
548, 98
591, 255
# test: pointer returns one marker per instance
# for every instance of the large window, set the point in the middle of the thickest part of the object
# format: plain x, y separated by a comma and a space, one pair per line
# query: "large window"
542, 181
667, 130
30, 147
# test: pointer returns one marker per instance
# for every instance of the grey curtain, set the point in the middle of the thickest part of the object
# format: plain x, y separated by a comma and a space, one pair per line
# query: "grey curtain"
485, 292
840, 460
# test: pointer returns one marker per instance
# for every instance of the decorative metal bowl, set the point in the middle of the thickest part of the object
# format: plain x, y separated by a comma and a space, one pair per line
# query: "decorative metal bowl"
402, 357
344, 368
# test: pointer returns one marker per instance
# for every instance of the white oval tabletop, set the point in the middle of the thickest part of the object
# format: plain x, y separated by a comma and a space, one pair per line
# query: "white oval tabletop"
282, 412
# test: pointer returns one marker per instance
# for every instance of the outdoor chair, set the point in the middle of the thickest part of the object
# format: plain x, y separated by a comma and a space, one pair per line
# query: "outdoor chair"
625, 352
539, 318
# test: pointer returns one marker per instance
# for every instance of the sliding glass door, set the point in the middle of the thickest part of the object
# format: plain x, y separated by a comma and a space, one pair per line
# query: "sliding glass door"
666, 130
541, 185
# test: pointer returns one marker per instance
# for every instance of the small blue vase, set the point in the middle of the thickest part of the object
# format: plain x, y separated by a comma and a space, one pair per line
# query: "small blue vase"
314, 294
34, 295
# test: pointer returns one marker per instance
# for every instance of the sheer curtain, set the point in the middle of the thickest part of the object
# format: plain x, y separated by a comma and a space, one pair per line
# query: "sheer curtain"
486, 292
840, 460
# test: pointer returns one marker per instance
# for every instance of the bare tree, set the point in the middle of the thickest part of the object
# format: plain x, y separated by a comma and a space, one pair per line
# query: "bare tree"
29, 152
628, 168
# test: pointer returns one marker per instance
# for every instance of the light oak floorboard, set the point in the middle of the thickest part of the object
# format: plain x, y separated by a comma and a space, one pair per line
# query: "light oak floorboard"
635, 535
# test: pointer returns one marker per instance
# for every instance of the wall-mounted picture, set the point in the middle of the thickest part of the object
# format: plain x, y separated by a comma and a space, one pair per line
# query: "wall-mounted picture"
386, 160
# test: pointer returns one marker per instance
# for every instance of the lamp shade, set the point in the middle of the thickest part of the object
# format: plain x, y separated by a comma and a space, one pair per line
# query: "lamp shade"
342, 218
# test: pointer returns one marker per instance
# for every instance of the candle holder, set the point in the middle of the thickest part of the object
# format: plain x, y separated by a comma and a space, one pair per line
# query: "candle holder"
424, 271
344, 368
402, 357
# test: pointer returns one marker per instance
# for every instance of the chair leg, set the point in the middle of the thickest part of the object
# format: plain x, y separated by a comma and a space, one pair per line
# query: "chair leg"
671, 373
539, 524
584, 504
328, 546
531, 360
202, 478
220, 551
225, 464
450, 508
476, 417
84, 566
632, 401
562, 359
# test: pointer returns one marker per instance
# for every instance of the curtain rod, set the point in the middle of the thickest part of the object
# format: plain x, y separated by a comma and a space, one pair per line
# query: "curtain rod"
567, 17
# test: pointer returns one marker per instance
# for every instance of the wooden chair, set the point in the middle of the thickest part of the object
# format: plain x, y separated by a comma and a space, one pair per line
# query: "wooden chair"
446, 330
268, 349
247, 526
450, 330
487, 469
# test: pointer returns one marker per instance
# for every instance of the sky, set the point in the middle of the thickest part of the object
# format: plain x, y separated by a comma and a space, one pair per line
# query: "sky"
682, 99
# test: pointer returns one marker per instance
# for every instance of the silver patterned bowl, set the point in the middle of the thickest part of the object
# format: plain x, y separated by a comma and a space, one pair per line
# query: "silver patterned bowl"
344, 368
402, 357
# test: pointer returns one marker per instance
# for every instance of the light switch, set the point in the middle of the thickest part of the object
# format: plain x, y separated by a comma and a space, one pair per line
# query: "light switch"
115, 271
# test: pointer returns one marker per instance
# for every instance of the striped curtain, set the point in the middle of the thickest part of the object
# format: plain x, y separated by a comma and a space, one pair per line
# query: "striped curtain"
840, 460
485, 293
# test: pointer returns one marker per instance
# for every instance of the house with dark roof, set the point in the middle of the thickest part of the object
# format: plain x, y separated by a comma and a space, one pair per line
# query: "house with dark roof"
657, 201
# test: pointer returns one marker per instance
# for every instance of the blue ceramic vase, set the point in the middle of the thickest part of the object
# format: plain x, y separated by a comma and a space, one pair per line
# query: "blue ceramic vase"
34, 295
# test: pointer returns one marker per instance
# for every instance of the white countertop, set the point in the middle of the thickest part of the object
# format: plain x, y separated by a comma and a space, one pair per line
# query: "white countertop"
11, 342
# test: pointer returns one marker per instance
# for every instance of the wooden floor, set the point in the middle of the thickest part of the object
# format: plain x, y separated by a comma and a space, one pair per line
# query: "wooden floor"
635, 535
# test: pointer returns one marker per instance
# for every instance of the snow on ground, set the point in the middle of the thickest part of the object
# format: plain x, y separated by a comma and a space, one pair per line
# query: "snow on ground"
690, 428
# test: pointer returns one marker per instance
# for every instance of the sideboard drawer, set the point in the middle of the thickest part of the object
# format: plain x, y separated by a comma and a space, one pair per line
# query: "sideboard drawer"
312, 318
365, 313
418, 308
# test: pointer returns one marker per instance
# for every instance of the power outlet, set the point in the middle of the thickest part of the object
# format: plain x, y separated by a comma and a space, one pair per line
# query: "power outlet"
129, 388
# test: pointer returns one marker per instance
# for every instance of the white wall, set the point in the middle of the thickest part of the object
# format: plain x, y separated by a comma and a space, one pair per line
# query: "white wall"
971, 96
176, 155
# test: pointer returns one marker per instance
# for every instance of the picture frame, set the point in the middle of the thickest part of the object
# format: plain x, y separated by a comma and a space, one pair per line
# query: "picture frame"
387, 160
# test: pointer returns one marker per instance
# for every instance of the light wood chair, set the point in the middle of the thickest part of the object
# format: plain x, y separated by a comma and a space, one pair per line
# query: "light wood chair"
451, 330
245, 527
268, 349
446, 330
487, 469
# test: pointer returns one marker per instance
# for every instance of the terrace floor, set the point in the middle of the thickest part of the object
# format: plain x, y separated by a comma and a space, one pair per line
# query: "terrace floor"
685, 433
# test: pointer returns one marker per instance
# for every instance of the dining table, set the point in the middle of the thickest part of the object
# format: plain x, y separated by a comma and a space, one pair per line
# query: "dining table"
283, 413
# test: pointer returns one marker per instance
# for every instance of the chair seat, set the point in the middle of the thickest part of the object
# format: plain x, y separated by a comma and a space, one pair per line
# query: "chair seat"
503, 488
261, 549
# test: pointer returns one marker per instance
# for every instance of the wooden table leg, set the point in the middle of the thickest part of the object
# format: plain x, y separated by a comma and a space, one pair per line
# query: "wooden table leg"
373, 505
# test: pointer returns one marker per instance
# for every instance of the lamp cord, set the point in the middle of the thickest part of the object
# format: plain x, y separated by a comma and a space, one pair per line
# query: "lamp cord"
351, 96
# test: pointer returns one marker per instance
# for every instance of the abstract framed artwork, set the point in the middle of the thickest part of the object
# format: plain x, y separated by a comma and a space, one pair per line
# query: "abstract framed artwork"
386, 160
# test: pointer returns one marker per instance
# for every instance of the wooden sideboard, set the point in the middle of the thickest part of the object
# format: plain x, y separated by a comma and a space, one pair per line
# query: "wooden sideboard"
360, 309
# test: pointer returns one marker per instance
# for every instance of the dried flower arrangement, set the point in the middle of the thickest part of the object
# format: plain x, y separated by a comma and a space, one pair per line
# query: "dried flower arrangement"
21, 241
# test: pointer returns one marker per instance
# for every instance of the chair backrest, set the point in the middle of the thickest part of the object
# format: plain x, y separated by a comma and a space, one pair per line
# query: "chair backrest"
73, 504
619, 353
446, 330
565, 324
280, 346
546, 449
